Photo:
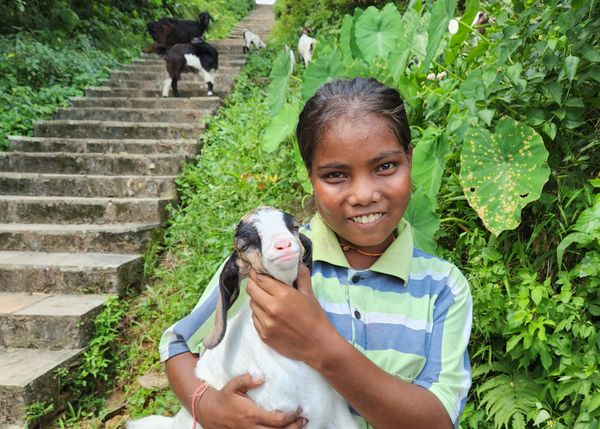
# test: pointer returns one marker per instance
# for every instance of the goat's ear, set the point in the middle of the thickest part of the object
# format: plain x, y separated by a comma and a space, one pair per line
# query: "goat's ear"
229, 289
307, 256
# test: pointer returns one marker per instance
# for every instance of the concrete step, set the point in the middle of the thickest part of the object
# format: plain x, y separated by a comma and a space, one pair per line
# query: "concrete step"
48, 321
195, 103
115, 130
162, 73
75, 185
237, 59
185, 90
31, 376
131, 115
116, 238
82, 145
91, 163
76, 210
191, 80
69, 273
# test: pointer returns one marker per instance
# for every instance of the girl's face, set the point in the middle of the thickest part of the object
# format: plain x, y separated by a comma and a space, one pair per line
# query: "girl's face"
361, 179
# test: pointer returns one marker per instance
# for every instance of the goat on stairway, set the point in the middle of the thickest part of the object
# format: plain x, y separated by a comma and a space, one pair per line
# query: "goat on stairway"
166, 32
266, 240
252, 40
198, 56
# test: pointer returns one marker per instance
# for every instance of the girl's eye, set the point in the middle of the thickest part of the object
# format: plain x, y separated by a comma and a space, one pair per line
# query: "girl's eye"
386, 166
334, 175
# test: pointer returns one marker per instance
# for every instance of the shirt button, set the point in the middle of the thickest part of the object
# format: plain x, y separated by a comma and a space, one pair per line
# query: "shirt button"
357, 314
355, 278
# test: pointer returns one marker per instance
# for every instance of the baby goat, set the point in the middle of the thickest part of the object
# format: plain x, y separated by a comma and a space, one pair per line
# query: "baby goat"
267, 240
251, 40
194, 57
306, 45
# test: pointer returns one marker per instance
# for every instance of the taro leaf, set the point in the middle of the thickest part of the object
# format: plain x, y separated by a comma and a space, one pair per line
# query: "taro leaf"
429, 161
328, 67
398, 58
502, 172
281, 126
464, 29
423, 221
346, 39
441, 13
377, 31
278, 87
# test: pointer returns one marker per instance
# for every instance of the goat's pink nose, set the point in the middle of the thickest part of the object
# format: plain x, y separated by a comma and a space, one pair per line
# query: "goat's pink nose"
283, 243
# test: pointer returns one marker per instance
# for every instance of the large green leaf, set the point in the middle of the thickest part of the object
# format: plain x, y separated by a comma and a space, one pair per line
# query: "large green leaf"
377, 31
502, 172
281, 126
423, 220
327, 67
278, 87
441, 14
429, 161
464, 29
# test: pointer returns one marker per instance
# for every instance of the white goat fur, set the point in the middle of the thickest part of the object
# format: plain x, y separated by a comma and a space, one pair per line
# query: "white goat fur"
306, 45
252, 39
289, 384
193, 62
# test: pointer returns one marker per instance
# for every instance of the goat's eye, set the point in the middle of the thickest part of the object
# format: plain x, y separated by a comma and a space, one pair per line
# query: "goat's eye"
243, 247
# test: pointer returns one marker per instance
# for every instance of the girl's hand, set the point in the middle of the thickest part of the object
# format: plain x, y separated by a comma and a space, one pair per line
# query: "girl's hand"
230, 408
290, 320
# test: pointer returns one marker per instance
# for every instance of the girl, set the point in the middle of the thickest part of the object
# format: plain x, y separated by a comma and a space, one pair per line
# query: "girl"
386, 324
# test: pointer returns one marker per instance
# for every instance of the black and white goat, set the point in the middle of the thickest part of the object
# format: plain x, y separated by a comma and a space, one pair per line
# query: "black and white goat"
167, 31
267, 240
194, 57
251, 40
306, 45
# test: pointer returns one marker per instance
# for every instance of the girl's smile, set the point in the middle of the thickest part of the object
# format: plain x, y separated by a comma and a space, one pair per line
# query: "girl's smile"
361, 178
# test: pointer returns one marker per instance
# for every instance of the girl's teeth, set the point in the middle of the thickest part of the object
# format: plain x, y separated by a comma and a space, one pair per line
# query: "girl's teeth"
367, 219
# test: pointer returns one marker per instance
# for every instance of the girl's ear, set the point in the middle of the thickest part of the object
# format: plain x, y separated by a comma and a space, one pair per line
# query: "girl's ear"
307, 256
229, 289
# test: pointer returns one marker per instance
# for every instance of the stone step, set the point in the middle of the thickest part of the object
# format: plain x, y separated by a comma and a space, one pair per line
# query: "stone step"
115, 129
48, 321
221, 81
196, 103
234, 59
116, 238
87, 185
32, 376
187, 147
195, 90
160, 75
91, 163
77, 210
131, 115
70, 273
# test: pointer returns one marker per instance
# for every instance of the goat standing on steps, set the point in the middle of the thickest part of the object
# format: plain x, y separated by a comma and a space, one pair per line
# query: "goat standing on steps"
267, 241
194, 57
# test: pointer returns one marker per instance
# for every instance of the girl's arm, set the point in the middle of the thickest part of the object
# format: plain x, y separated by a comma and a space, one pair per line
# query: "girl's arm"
226, 408
303, 332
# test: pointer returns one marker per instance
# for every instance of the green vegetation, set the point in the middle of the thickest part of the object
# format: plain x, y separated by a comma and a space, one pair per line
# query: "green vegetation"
51, 50
506, 173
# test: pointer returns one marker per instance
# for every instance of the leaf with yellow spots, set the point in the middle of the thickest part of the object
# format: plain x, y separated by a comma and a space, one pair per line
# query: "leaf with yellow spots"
503, 172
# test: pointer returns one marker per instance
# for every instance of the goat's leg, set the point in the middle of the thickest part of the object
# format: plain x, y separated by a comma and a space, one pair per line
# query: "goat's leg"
166, 85
208, 78
174, 86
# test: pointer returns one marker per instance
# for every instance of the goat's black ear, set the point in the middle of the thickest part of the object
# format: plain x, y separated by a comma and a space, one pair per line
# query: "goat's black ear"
229, 289
307, 257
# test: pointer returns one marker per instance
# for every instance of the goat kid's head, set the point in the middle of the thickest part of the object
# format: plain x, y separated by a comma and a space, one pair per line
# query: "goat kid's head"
266, 240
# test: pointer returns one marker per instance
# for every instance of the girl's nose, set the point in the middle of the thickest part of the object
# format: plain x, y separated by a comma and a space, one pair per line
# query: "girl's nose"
363, 194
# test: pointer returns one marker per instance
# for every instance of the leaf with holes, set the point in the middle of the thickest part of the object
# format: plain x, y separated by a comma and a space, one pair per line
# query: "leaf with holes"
503, 172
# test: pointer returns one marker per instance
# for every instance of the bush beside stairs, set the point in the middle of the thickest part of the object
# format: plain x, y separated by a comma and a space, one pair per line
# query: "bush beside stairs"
79, 203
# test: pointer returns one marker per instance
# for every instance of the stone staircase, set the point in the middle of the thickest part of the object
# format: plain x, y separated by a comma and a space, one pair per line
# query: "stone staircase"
79, 203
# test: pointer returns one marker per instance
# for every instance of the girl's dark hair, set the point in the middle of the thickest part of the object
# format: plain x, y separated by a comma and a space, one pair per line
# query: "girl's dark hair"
356, 98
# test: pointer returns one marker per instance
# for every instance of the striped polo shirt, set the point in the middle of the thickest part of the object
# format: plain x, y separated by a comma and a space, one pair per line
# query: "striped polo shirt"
409, 313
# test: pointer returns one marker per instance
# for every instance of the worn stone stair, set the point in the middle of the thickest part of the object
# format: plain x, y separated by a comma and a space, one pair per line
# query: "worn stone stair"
80, 201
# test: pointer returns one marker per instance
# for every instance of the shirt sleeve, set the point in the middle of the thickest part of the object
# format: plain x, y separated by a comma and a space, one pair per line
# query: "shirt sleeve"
186, 334
447, 371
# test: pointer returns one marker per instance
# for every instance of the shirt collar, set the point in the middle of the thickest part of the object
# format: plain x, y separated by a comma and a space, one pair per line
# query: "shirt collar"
395, 261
